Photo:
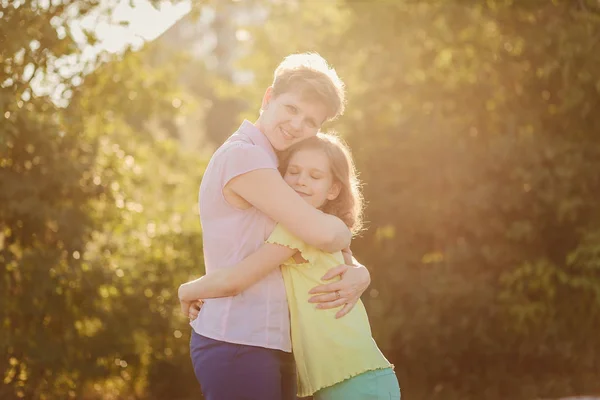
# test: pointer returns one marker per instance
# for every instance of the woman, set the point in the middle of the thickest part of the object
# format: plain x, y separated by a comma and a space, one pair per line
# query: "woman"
240, 345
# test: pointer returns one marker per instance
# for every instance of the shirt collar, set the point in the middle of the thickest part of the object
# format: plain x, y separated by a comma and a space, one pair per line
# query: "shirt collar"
258, 138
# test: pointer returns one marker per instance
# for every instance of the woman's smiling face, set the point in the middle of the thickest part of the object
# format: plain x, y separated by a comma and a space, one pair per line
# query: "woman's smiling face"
290, 118
309, 173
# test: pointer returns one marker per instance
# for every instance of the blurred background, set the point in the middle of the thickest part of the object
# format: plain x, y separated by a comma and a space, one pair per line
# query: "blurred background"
475, 126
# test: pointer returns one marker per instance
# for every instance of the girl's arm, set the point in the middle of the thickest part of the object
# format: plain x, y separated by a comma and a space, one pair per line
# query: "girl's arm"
233, 280
268, 192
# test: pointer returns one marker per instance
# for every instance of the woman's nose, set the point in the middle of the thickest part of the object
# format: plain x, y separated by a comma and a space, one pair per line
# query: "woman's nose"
297, 122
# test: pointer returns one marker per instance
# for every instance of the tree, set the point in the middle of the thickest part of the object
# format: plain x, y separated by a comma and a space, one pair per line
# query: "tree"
95, 229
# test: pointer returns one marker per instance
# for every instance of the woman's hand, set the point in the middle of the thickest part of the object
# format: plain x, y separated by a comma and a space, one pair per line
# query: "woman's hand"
355, 280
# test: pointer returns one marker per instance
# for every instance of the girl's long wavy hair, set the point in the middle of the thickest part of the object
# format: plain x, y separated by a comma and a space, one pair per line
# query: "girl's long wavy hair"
348, 205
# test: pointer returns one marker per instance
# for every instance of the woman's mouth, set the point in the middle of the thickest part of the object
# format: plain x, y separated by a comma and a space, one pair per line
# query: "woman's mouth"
286, 134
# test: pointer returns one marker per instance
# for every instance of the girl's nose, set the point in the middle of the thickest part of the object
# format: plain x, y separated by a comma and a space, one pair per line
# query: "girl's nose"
302, 179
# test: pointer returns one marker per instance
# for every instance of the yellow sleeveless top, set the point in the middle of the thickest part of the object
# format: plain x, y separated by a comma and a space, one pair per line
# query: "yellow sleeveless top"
326, 350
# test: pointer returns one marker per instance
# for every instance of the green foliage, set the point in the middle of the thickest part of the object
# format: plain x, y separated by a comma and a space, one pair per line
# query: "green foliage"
474, 130
98, 223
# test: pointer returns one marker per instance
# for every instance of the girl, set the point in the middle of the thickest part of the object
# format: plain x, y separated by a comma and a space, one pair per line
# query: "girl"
336, 359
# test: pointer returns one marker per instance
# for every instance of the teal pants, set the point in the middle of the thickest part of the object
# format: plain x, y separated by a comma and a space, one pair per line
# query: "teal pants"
380, 384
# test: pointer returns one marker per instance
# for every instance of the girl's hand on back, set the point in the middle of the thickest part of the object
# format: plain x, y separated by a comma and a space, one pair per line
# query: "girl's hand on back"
191, 309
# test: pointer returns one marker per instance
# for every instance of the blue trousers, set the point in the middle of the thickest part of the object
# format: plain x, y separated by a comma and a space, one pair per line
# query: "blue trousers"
229, 371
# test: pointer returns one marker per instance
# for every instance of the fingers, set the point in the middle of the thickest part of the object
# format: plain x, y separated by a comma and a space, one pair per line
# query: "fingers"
328, 288
193, 314
191, 309
194, 309
346, 309
335, 300
335, 271
197, 305
328, 295
332, 304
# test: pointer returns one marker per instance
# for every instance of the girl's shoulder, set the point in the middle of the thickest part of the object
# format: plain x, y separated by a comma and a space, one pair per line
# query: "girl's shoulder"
282, 236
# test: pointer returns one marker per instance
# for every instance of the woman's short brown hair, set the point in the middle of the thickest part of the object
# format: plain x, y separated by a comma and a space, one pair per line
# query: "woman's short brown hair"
310, 74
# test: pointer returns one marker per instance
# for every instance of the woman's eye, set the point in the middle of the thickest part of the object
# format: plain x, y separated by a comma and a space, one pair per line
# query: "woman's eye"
292, 109
292, 172
316, 177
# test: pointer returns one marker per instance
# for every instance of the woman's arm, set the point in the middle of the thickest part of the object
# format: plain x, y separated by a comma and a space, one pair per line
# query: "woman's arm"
348, 257
268, 192
233, 280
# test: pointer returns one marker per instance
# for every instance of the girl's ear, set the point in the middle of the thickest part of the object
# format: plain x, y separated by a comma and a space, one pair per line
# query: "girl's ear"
334, 191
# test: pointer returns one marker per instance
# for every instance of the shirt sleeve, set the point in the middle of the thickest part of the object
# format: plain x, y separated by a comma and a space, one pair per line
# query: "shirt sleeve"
242, 158
283, 237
